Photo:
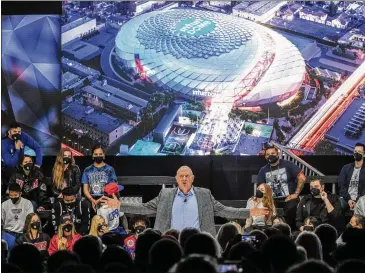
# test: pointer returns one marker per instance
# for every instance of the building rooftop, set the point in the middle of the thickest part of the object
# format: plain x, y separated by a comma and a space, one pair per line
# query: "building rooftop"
76, 23
256, 7
168, 118
144, 148
100, 121
81, 50
337, 131
314, 11
68, 78
111, 98
120, 93
86, 71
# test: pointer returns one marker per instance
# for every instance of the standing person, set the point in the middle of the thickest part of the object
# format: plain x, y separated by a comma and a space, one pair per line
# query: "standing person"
263, 198
14, 211
184, 206
323, 206
12, 149
65, 173
112, 216
30, 180
33, 234
352, 179
96, 176
78, 208
65, 237
286, 181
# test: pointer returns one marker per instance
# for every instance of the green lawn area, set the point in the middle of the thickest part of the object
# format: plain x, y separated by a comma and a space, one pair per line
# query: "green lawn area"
264, 130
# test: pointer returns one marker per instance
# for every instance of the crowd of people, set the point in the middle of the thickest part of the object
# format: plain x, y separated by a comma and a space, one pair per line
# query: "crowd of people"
87, 229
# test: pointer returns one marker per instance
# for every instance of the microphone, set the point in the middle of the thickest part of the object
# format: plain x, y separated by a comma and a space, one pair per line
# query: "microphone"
185, 200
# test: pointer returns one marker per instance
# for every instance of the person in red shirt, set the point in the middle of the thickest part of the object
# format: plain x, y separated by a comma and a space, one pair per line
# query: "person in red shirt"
65, 237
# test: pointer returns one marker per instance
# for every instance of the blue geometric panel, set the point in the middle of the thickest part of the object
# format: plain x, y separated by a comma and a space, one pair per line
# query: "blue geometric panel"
32, 73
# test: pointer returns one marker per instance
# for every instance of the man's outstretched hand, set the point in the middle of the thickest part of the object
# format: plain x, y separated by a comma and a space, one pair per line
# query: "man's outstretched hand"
113, 203
259, 211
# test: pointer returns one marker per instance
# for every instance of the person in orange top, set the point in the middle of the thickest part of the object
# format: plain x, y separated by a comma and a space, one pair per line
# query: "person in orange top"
65, 237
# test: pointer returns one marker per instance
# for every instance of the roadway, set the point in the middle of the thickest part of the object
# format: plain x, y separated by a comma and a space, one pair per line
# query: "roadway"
314, 129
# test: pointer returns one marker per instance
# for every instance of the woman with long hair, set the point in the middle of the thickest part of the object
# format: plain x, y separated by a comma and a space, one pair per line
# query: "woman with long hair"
262, 199
33, 234
65, 237
98, 226
65, 173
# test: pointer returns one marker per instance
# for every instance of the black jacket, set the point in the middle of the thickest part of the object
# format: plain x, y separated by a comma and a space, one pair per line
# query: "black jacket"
345, 178
72, 177
80, 213
33, 185
333, 218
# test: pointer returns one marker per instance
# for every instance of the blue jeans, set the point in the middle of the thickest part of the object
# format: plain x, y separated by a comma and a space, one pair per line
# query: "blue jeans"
35, 205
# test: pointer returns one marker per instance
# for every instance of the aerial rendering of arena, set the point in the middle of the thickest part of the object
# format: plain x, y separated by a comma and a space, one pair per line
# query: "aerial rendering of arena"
204, 54
220, 59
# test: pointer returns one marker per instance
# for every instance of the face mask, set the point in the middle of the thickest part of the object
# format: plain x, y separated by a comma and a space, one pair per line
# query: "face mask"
15, 200
98, 159
66, 160
70, 205
315, 192
15, 137
67, 228
259, 194
28, 166
35, 225
349, 226
139, 229
308, 228
100, 228
272, 159
357, 156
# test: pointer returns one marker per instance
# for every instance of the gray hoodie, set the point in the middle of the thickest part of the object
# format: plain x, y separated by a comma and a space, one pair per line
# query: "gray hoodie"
13, 215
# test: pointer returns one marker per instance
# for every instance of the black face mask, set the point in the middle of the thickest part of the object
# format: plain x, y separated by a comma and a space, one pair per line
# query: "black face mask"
15, 137
259, 194
66, 160
357, 156
15, 200
349, 226
272, 159
35, 225
308, 228
100, 228
139, 229
28, 166
71, 205
98, 159
67, 228
315, 192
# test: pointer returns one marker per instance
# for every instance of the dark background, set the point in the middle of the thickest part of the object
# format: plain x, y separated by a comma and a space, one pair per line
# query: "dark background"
228, 177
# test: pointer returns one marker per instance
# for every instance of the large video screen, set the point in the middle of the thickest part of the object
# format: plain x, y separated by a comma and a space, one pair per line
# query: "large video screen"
212, 77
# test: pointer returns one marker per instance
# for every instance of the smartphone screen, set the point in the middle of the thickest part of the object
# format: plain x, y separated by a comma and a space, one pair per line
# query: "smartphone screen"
248, 238
227, 267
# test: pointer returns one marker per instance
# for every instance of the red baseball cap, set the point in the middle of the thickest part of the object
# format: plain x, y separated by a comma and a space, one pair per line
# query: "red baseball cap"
113, 188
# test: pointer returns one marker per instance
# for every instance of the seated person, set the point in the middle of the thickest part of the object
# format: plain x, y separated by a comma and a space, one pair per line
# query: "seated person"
138, 223
310, 223
65, 173
33, 234
66, 236
360, 206
78, 208
263, 198
356, 221
14, 211
112, 215
276, 219
12, 149
30, 181
96, 176
98, 226
323, 206
351, 181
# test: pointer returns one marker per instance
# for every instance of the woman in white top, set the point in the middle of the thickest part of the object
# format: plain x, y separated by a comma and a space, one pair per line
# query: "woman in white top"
263, 198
